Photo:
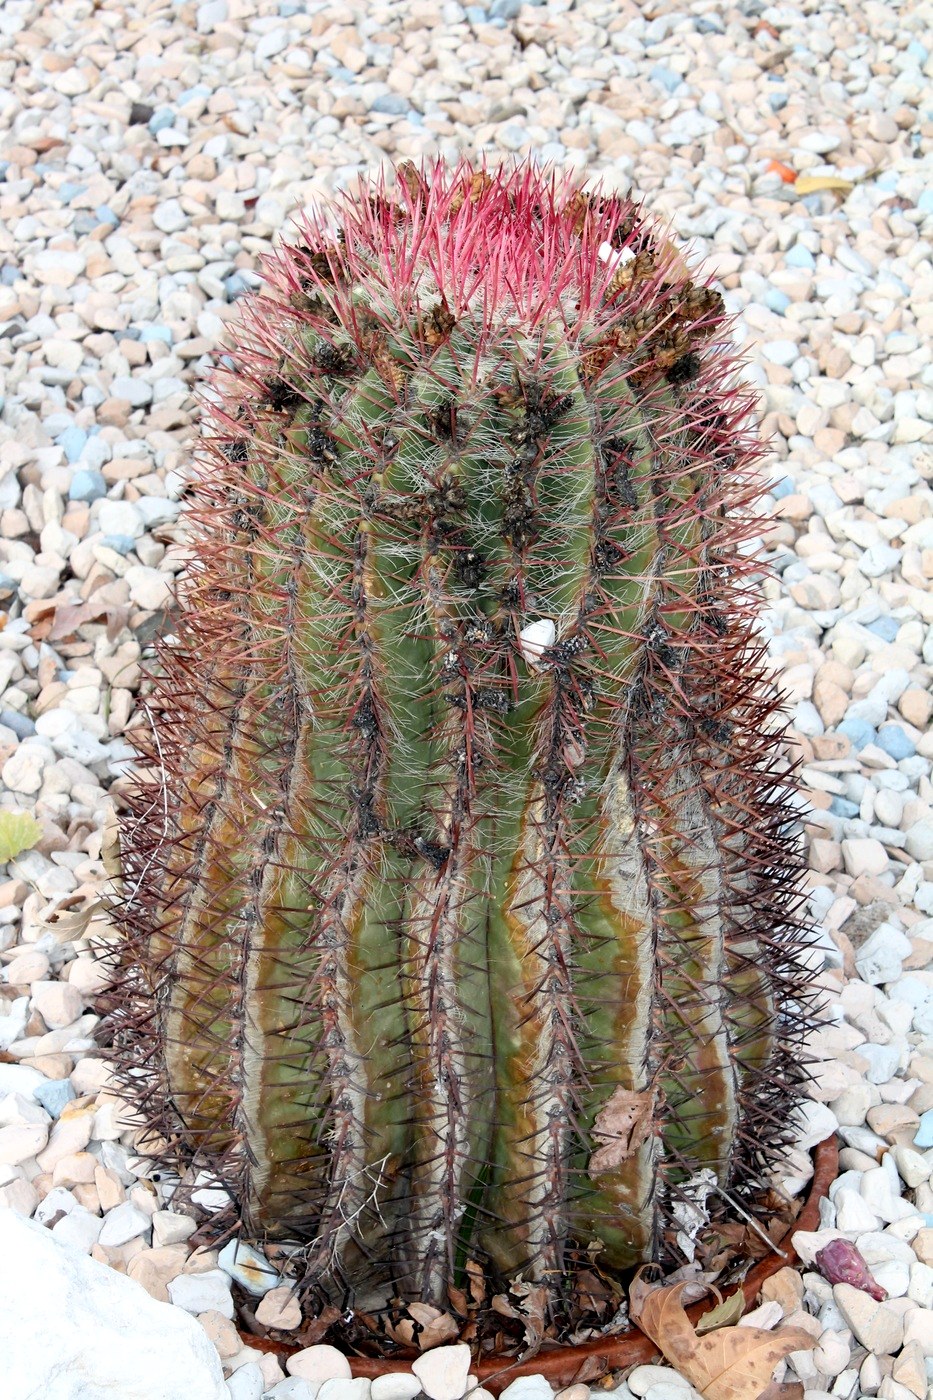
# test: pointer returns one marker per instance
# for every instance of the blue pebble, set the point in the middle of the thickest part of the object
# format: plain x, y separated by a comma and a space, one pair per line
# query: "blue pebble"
288, 8
21, 725
475, 14
918, 51
886, 628
87, 485
85, 222
708, 26
390, 103
53, 1095
147, 333
924, 1135
777, 101
199, 90
72, 440
69, 191
858, 731
161, 119
235, 286
121, 544
105, 215
665, 78
895, 742
799, 256
925, 202
4, 167
776, 300
8, 274
842, 807
783, 487
505, 9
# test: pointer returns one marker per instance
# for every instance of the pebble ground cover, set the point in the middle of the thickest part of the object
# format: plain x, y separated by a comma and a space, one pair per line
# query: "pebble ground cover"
150, 152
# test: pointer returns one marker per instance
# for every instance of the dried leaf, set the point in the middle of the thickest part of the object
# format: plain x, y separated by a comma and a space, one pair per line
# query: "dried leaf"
317, 1327
477, 1281
436, 1327
621, 1125
69, 617
591, 1369
812, 184
18, 832
457, 1300
733, 1363
532, 1311
787, 1390
402, 1331
594, 1293
725, 1314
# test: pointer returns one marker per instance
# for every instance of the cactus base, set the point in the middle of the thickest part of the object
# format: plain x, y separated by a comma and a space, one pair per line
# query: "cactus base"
562, 1365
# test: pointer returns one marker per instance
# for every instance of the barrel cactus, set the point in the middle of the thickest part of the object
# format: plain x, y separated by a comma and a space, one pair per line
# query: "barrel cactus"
458, 890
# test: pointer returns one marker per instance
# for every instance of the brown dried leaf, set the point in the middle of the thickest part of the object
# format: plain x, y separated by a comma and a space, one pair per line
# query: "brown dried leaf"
316, 1327
532, 1311
622, 1125
457, 1300
402, 1331
594, 1293
593, 1368
787, 1390
436, 1327
477, 1281
733, 1363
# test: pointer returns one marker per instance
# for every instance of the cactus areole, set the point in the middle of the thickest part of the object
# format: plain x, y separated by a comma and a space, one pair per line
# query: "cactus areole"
459, 888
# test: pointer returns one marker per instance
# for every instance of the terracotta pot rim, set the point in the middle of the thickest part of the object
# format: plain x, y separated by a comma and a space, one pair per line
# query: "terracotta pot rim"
561, 1365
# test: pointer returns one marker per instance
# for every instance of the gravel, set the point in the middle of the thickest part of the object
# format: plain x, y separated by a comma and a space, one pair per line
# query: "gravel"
150, 153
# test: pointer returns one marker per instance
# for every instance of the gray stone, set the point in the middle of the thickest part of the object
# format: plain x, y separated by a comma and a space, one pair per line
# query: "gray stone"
880, 958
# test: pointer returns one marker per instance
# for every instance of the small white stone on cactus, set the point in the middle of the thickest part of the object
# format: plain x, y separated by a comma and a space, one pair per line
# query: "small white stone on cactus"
617, 257
535, 640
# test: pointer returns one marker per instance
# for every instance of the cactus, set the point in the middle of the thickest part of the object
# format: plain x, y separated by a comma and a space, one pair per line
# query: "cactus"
460, 899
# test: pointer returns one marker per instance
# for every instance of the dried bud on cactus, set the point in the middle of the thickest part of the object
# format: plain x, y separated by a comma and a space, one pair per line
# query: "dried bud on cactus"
469, 931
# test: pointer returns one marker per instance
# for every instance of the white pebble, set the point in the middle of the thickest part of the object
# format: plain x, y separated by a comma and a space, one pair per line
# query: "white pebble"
443, 1371
207, 1292
318, 1364
396, 1385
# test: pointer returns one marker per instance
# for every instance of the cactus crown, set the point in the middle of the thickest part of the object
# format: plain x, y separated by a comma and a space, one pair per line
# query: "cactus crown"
470, 937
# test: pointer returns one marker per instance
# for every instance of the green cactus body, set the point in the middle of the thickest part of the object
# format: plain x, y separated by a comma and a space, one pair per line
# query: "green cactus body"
466, 943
